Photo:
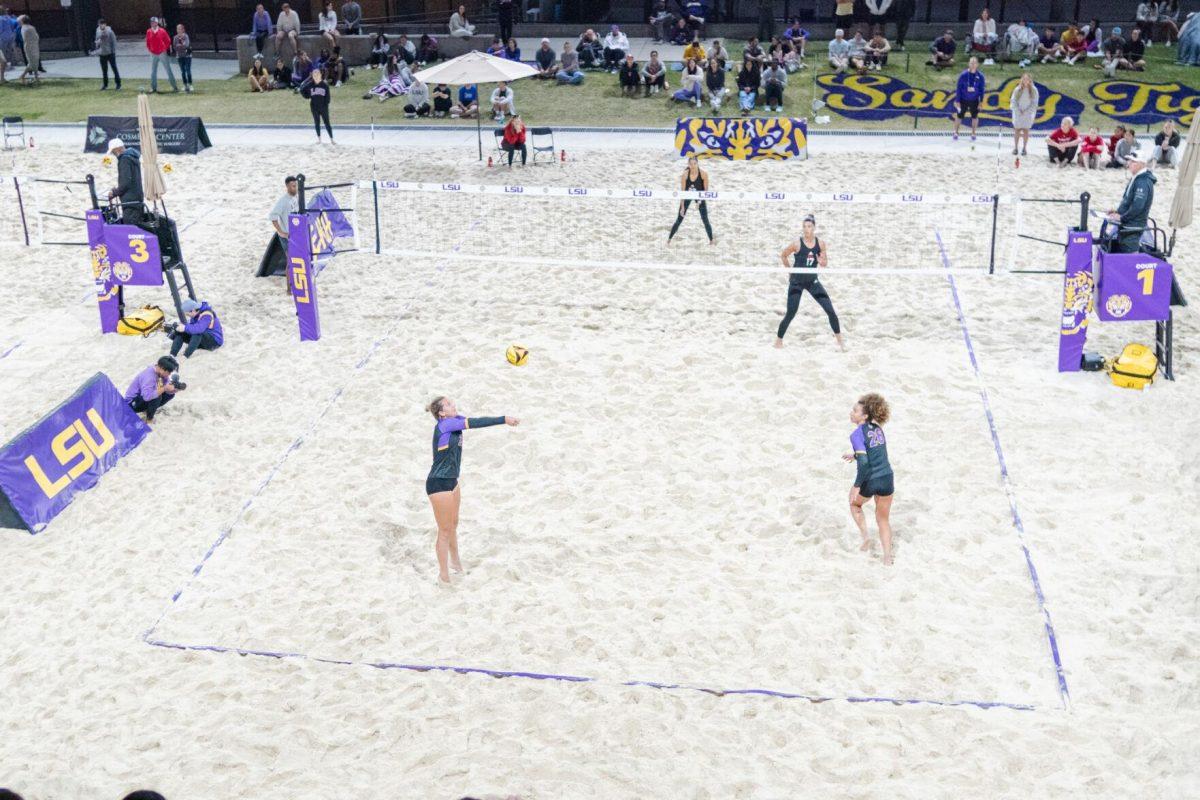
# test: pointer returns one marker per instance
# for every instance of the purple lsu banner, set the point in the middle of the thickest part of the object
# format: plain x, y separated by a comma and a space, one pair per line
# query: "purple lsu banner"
301, 277
1077, 301
66, 452
1132, 287
327, 223
122, 255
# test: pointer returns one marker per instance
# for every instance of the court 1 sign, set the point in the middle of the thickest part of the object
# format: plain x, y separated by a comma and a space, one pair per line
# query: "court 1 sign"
65, 453
876, 97
1146, 103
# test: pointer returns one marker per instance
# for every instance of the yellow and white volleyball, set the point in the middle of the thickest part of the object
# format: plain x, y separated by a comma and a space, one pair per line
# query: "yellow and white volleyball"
167, 168
107, 161
517, 355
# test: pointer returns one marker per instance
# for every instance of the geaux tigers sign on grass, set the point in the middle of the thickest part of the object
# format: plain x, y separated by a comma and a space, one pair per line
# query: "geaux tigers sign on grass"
758, 139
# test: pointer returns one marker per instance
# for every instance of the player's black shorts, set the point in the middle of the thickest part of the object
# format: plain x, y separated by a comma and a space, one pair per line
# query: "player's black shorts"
878, 487
437, 485
969, 108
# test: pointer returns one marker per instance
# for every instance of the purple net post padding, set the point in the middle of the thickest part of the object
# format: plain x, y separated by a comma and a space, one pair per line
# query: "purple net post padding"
108, 297
1077, 301
134, 255
1132, 287
66, 451
302, 279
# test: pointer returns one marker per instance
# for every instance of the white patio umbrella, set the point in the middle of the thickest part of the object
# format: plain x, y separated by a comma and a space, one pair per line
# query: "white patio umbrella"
476, 67
1181, 205
153, 185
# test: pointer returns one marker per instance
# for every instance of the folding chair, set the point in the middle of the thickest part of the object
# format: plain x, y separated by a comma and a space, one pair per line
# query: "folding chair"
540, 135
499, 132
14, 127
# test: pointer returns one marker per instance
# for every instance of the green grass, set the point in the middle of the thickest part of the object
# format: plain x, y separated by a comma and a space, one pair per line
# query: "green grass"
597, 102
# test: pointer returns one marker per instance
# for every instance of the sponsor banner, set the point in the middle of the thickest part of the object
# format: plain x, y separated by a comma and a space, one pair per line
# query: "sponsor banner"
1146, 103
876, 97
67, 451
1132, 287
755, 139
1077, 301
302, 279
594, 193
174, 134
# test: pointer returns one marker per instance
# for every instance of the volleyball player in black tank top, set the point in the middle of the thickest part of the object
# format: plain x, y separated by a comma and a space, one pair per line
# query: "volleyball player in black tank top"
694, 180
808, 252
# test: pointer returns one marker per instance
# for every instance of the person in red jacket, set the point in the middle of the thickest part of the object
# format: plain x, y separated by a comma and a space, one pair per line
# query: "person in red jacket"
158, 42
1115, 139
514, 139
1090, 149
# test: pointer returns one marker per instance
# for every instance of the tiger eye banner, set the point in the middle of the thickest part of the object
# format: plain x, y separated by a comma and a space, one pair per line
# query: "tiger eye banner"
757, 139
876, 97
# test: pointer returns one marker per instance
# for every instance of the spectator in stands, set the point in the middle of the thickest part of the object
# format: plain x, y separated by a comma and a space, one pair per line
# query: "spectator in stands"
505, 12
590, 50
511, 51
843, 13
427, 50
942, 50
968, 95
418, 99
514, 139
1146, 18
756, 52
798, 36
714, 82
281, 76
1167, 25
259, 76
260, 27
1093, 37
877, 13
569, 71
839, 51
681, 34
106, 48
783, 52
496, 48
660, 21
748, 80
654, 75
442, 102
690, 82
198, 330
1135, 51
1049, 46
182, 45
468, 102
1166, 146
629, 77
302, 67
695, 51
718, 52
379, 50
287, 28
1114, 54
616, 44
983, 37
31, 45
154, 387
392, 82
695, 13
1091, 147
858, 53
774, 81
352, 18
877, 51
8, 37
904, 11
1114, 140
1127, 145
158, 43
459, 24
1024, 103
1022, 40
406, 50
547, 64
327, 24
1063, 143
337, 70
1074, 44
766, 20
502, 101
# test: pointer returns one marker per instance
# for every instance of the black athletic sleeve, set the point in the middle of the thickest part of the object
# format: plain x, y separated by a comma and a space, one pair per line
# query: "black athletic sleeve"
483, 422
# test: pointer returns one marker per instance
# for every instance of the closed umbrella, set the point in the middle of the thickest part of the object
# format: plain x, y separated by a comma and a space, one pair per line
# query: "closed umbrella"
476, 67
153, 186
1181, 206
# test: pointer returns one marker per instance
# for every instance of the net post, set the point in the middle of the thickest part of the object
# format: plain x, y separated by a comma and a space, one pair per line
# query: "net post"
995, 218
300, 191
1085, 200
375, 193
21, 206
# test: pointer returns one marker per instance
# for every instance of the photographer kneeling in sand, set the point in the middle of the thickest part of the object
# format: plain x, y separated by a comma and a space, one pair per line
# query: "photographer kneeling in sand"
154, 387
200, 331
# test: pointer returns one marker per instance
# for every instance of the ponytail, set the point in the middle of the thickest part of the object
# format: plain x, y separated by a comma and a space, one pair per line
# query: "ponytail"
435, 407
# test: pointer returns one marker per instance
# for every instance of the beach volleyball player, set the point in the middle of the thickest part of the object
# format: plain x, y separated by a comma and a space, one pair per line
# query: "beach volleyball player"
807, 252
694, 180
874, 478
442, 484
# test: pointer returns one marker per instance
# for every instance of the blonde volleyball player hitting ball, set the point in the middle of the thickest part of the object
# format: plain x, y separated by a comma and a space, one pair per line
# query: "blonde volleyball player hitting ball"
807, 252
442, 484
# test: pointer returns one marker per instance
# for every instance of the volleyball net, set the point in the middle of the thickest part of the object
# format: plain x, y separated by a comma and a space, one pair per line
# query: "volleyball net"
628, 228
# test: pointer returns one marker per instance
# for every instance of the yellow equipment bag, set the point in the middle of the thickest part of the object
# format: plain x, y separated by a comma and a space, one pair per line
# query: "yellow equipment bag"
143, 322
1135, 368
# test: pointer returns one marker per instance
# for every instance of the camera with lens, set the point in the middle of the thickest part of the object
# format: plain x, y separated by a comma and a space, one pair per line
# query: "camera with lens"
176, 382
170, 329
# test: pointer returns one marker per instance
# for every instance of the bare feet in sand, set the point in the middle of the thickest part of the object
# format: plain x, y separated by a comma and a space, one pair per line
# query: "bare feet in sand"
865, 546
778, 343
841, 344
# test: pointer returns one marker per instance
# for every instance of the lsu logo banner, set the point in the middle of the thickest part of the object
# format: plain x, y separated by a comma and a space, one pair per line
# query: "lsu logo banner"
758, 139
301, 277
325, 227
1146, 103
876, 97
65, 453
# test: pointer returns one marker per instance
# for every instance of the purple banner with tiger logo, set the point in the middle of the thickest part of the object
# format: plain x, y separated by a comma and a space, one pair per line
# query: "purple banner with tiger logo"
301, 277
1077, 301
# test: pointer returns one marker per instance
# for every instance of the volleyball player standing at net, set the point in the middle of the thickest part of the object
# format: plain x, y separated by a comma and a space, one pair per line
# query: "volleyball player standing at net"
694, 180
807, 252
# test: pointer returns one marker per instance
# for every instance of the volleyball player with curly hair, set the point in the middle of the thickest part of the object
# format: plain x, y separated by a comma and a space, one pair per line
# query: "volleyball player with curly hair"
874, 478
